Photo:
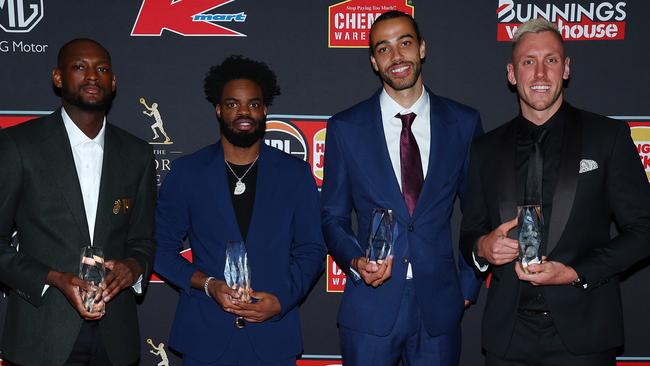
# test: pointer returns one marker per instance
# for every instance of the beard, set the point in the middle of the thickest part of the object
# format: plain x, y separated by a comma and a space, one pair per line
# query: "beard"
243, 139
75, 99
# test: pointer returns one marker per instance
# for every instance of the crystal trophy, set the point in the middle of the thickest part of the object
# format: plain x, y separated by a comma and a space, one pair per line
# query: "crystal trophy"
237, 274
380, 236
91, 270
531, 226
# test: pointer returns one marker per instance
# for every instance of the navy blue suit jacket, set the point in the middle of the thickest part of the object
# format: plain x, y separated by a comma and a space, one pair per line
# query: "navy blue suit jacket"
284, 244
359, 177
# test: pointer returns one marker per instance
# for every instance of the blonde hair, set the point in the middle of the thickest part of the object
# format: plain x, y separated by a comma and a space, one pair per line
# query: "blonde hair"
536, 25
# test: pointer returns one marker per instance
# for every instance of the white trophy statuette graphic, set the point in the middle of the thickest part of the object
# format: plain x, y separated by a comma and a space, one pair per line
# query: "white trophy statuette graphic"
159, 351
152, 111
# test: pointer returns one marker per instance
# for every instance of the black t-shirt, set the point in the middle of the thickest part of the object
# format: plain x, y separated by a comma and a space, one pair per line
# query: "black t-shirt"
243, 203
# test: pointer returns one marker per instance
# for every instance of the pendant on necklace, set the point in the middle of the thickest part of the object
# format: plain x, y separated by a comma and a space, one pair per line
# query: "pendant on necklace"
240, 187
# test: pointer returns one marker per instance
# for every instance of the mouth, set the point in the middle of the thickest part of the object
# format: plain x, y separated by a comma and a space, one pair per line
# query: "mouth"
400, 70
91, 89
540, 88
243, 125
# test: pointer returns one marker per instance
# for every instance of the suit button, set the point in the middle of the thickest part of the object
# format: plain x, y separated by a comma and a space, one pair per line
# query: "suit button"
405, 260
410, 228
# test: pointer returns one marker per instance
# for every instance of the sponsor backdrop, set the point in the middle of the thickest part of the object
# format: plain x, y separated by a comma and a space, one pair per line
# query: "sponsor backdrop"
162, 48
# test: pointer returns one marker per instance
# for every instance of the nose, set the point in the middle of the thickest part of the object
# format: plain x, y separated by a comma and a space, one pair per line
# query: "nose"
540, 69
244, 110
396, 55
91, 73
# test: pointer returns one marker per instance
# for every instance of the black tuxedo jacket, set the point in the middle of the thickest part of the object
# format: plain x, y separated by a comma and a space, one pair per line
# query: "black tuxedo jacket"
587, 199
41, 198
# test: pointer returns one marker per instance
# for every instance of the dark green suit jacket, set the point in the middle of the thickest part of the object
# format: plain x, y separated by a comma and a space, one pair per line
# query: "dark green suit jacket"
40, 197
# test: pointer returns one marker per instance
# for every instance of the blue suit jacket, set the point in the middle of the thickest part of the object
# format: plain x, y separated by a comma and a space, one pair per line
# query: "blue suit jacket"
359, 176
284, 244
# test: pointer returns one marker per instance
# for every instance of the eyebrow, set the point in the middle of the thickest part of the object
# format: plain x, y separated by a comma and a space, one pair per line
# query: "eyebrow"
385, 41
256, 99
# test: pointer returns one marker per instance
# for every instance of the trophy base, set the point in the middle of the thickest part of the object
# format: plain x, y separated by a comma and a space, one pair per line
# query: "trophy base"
525, 264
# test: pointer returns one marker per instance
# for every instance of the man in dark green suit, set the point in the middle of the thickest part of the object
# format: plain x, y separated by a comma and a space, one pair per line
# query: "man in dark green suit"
72, 180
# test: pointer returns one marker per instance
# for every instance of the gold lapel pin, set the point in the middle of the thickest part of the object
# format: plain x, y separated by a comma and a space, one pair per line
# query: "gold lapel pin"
116, 207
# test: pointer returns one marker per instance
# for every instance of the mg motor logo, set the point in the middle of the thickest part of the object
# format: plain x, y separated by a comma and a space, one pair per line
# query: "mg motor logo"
20, 16
578, 21
185, 17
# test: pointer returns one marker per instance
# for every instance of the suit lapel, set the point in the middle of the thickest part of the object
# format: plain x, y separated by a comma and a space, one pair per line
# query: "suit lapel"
266, 187
217, 177
375, 159
565, 189
439, 119
505, 155
110, 184
57, 147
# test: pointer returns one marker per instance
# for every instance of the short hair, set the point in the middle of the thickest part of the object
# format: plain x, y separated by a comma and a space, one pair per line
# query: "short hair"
392, 15
537, 25
239, 67
63, 50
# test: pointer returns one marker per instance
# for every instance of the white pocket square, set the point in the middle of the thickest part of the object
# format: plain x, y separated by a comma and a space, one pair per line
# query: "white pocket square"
587, 165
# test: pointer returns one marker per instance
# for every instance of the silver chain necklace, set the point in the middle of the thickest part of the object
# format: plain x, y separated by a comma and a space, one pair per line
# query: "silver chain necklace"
240, 187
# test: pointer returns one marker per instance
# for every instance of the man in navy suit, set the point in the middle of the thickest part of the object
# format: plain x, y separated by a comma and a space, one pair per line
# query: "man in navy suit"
404, 149
239, 190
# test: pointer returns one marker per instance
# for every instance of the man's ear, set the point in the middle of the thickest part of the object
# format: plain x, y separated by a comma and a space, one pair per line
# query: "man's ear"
56, 78
567, 69
510, 68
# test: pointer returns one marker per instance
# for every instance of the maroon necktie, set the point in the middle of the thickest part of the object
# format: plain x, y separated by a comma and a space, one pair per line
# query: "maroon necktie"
410, 163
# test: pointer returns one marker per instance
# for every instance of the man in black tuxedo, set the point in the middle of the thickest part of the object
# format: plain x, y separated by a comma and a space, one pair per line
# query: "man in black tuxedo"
584, 171
72, 180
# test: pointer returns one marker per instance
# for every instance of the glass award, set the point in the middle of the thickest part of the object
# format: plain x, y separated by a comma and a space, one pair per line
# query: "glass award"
237, 274
531, 227
91, 270
380, 235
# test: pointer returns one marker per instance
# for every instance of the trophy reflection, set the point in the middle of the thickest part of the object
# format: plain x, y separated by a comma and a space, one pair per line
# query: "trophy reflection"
531, 226
91, 270
380, 236
237, 274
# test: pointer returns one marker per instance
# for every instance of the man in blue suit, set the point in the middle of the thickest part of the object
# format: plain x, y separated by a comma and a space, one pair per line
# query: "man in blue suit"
239, 190
404, 149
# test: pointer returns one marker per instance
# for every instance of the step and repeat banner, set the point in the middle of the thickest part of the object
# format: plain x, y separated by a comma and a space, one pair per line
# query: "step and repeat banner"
161, 50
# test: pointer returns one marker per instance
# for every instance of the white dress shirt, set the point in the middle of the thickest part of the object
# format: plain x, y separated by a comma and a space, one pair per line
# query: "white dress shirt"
421, 129
88, 156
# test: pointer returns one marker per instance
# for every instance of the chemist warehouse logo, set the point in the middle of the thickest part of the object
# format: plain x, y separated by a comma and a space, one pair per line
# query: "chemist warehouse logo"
187, 18
349, 21
583, 21
20, 16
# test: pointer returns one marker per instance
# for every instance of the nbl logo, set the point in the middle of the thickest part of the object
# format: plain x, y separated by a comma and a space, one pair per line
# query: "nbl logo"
20, 16
286, 137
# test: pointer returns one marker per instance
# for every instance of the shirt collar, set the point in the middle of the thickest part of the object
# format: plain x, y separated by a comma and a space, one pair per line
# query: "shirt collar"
76, 136
558, 119
391, 107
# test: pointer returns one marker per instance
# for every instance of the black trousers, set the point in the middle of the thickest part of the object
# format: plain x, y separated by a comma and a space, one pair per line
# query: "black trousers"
535, 342
89, 349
